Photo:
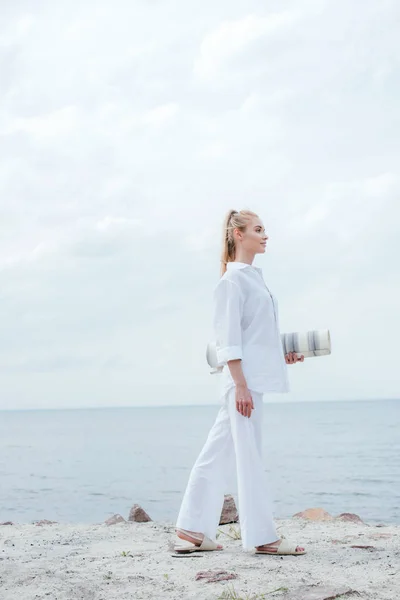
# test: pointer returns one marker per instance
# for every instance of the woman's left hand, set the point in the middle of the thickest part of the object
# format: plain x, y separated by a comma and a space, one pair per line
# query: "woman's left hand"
292, 357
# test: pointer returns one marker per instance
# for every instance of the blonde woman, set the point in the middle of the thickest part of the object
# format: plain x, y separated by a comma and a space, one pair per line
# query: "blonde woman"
249, 348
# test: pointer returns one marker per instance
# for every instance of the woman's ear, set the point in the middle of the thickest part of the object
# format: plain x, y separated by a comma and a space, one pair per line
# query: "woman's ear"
237, 234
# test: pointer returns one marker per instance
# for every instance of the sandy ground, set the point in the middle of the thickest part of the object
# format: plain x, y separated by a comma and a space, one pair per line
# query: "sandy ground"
133, 560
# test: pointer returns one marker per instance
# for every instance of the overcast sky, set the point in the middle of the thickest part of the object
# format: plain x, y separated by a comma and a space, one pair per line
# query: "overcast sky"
128, 129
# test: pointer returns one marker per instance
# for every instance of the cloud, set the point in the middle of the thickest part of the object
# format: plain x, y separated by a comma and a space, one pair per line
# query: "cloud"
232, 37
56, 123
127, 135
161, 114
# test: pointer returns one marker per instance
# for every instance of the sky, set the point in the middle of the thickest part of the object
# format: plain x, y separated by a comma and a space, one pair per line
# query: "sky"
128, 130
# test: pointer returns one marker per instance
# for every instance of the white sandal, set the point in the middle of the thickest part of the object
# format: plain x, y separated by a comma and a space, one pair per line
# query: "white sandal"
206, 545
284, 547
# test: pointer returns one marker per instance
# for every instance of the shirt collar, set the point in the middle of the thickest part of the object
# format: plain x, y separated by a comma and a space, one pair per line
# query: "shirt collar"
241, 265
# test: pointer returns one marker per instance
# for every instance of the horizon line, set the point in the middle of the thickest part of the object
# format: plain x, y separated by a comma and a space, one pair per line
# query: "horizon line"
110, 407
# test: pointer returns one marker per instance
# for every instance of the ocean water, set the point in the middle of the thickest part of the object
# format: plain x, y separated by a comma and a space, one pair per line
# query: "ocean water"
85, 465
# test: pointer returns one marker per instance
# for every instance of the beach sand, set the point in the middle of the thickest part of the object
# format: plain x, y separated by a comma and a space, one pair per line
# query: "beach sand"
133, 560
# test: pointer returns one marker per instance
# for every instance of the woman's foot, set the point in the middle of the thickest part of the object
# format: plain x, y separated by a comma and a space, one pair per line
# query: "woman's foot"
192, 536
273, 547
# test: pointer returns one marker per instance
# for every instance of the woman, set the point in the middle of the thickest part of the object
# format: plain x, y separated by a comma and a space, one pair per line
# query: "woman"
249, 348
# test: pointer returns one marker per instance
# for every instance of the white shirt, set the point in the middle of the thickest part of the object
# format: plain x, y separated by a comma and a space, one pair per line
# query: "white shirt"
246, 326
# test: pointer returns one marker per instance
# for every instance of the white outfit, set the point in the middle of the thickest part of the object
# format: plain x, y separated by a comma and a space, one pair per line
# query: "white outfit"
246, 324
246, 327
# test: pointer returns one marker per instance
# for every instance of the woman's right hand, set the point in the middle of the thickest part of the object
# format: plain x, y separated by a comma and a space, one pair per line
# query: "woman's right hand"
244, 401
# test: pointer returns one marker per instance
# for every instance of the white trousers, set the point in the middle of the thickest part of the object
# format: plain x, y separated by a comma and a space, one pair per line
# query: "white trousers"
234, 440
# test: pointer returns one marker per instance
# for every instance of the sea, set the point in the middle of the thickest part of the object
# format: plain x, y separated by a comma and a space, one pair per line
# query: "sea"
82, 466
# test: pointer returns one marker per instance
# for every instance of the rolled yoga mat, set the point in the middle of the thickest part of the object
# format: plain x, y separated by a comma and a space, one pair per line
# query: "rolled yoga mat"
311, 343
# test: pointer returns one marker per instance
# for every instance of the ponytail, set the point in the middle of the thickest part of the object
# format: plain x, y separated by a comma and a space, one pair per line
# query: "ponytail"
233, 220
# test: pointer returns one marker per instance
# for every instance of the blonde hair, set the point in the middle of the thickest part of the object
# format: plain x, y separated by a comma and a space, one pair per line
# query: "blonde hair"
233, 219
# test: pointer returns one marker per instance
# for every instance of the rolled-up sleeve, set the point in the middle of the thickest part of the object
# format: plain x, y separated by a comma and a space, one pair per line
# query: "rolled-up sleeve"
228, 305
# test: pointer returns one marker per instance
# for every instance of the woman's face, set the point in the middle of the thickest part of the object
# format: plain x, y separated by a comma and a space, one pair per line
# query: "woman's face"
254, 239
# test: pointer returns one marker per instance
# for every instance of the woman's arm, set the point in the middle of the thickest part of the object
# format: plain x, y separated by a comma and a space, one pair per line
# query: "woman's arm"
244, 400
235, 367
228, 310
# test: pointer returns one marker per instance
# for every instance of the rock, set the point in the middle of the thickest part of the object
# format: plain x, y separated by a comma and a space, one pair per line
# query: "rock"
214, 576
229, 512
114, 520
349, 517
314, 514
45, 522
7, 523
138, 514
364, 547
